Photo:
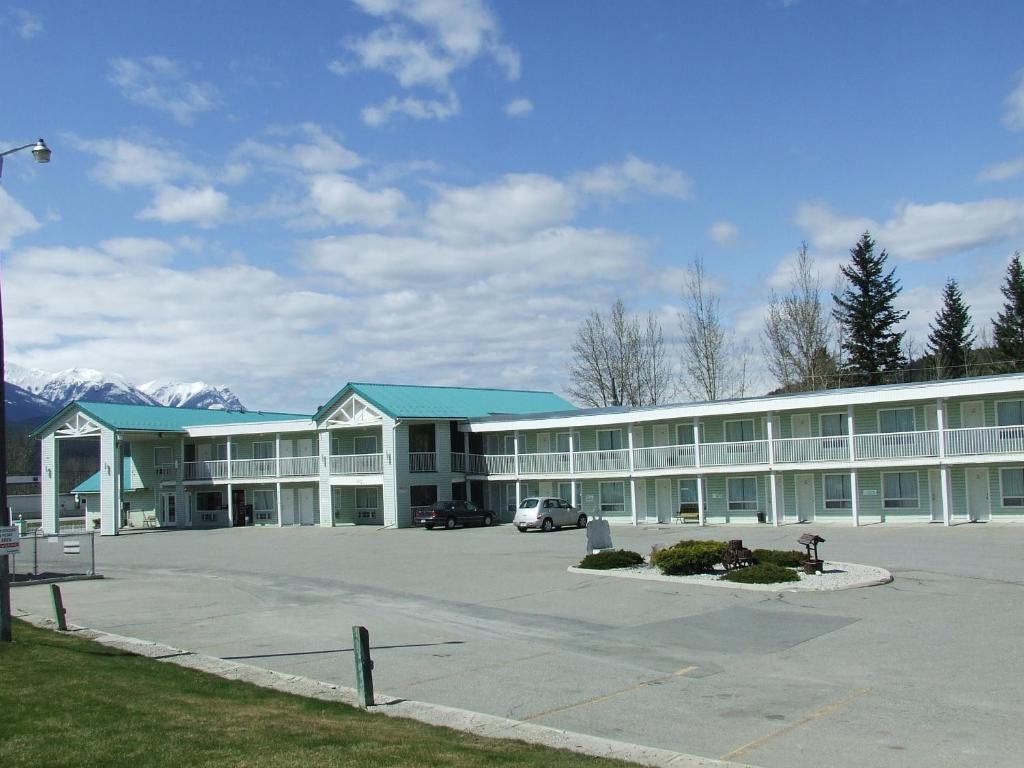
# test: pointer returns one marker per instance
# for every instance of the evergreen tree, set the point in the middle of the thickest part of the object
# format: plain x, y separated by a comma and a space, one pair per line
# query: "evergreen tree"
951, 337
867, 316
1008, 327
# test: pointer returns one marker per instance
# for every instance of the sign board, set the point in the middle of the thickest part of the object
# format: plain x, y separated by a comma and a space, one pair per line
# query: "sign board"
599, 536
869, 492
72, 547
10, 544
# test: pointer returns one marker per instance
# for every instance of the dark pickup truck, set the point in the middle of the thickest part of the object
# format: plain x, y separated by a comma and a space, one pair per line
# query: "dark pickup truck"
452, 513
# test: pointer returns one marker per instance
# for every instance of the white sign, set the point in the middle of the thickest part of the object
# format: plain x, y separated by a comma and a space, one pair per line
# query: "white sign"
10, 544
72, 547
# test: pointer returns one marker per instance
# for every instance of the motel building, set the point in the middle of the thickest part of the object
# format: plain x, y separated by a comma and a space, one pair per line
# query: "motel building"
941, 452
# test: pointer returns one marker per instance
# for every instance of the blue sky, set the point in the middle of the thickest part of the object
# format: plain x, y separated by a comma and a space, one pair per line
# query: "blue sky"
438, 191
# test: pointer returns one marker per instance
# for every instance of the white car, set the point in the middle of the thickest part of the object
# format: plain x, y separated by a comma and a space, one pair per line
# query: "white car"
546, 513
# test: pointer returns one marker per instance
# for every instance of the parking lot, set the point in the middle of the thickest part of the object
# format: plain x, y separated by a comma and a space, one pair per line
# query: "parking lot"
922, 672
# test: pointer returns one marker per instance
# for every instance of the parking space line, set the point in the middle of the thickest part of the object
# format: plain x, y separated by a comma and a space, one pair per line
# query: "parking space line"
610, 695
815, 715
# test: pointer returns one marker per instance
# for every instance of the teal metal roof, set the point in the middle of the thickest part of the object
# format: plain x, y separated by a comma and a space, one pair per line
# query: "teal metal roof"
159, 418
405, 401
92, 484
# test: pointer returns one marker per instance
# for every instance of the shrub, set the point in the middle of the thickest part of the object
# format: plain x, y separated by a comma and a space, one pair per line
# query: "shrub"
762, 573
612, 558
688, 557
787, 558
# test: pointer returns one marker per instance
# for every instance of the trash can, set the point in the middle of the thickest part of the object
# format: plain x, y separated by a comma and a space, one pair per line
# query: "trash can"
761, 517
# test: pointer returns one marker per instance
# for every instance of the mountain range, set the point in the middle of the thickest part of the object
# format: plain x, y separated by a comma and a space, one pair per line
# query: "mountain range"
33, 395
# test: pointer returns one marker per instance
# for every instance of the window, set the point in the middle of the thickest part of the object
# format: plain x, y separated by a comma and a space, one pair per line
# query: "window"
209, 500
563, 442
510, 444
221, 451
896, 420
365, 444
833, 424
613, 497
739, 431
609, 439
263, 501
421, 438
899, 490
1012, 482
335, 446
742, 492
366, 498
688, 494
1010, 413
422, 495
684, 434
126, 450
837, 492
263, 450
163, 456
565, 492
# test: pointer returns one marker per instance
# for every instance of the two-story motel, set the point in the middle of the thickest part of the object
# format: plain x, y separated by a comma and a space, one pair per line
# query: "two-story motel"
943, 452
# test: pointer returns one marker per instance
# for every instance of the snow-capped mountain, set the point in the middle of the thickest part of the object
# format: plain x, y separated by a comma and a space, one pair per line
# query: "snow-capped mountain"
197, 394
23, 405
58, 389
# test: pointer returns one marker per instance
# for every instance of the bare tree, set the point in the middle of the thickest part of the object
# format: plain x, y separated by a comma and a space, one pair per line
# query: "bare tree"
797, 337
617, 360
714, 367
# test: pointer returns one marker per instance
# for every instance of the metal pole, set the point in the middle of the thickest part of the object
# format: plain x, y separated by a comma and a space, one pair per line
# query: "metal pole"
58, 608
364, 666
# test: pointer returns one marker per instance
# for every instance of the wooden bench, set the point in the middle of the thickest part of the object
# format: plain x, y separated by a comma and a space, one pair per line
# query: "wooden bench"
687, 514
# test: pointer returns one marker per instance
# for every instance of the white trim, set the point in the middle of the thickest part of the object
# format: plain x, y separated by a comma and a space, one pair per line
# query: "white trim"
78, 425
253, 428
353, 411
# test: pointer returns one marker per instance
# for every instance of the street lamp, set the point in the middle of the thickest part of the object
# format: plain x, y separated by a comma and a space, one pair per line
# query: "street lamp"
41, 153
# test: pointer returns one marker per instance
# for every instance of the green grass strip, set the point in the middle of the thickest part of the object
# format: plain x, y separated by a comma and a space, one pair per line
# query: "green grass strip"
67, 701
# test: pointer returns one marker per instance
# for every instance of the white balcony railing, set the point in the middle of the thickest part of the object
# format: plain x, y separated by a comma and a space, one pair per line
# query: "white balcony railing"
356, 464
719, 454
490, 464
664, 457
543, 463
603, 461
458, 462
807, 449
206, 470
243, 468
978, 440
896, 445
298, 466
423, 462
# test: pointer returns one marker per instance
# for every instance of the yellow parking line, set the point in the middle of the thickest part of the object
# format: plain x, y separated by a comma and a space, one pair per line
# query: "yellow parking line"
817, 714
611, 695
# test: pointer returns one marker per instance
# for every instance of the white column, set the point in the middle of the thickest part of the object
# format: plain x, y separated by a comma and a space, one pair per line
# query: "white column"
50, 487
110, 484
519, 494
324, 495
700, 500
632, 480
854, 499
231, 500
770, 423
515, 454
947, 507
277, 499
696, 445
849, 433
940, 424
774, 492
277, 456
572, 468
230, 473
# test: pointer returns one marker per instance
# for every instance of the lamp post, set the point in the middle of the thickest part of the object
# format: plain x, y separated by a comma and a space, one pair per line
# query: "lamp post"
41, 153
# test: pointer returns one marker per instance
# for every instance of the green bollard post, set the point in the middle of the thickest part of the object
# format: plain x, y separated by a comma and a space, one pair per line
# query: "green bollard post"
58, 608
364, 666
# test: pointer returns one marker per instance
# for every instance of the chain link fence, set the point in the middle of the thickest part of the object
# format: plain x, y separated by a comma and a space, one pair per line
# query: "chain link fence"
52, 557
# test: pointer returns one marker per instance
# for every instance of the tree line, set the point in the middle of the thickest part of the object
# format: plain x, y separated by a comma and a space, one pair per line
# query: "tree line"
807, 342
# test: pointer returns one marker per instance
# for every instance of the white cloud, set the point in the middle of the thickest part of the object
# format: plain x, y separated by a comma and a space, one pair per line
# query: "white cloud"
515, 206
519, 108
342, 200
422, 44
1014, 115
159, 83
318, 152
1003, 171
916, 231
633, 174
123, 162
724, 233
26, 23
15, 220
376, 115
200, 205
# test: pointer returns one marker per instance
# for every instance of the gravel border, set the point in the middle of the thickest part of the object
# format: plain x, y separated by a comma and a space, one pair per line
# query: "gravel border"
837, 576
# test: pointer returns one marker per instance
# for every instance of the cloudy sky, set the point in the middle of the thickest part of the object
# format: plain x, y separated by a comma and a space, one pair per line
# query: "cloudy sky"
283, 199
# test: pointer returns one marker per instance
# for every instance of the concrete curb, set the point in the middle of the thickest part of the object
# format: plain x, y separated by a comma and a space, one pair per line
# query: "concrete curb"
872, 576
476, 723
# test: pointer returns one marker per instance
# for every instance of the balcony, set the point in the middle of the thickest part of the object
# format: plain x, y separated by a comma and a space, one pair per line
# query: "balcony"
972, 441
795, 450
357, 464
896, 445
664, 456
423, 462
722, 454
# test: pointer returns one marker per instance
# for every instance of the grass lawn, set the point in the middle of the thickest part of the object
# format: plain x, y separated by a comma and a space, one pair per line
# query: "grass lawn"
66, 701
